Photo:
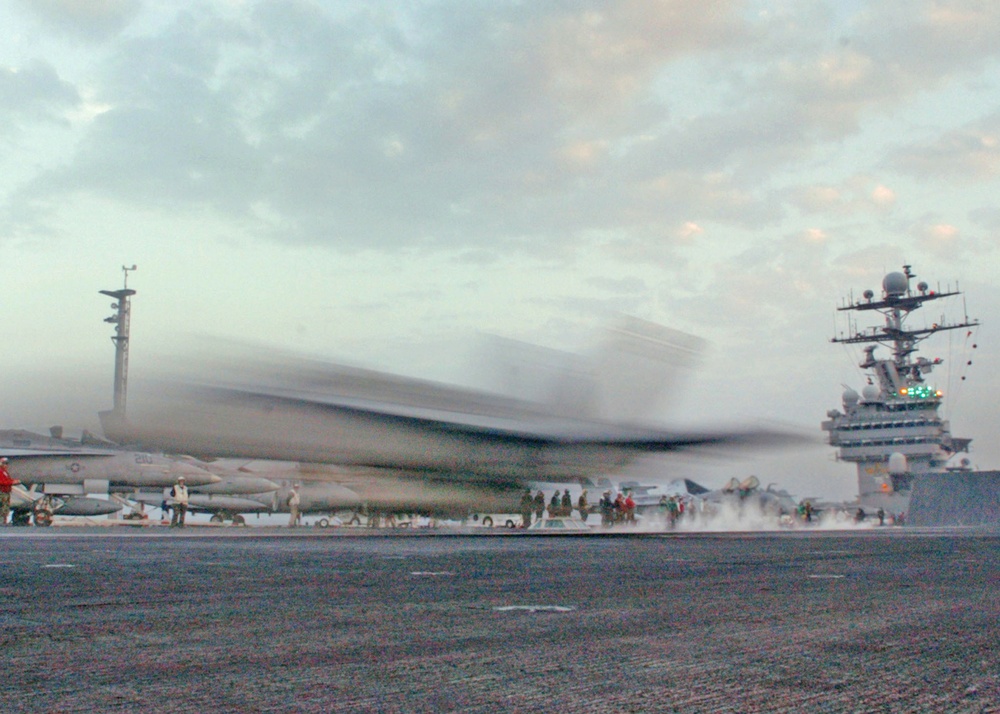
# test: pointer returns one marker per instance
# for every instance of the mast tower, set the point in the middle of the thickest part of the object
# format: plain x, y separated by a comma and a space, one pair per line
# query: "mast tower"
120, 320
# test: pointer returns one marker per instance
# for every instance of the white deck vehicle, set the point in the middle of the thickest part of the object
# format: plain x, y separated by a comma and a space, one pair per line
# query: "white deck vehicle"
494, 520
559, 523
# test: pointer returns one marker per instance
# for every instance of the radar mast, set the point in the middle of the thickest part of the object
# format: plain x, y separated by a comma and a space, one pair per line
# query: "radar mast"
120, 320
902, 372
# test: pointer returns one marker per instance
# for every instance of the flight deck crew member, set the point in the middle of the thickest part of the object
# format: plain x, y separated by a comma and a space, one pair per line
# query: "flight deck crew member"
607, 509
539, 505
295, 515
6, 482
527, 506
179, 503
567, 503
673, 511
581, 505
629, 509
619, 512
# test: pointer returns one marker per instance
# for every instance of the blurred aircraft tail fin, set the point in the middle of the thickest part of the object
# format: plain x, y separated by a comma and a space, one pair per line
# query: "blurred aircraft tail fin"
623, 381
637, 367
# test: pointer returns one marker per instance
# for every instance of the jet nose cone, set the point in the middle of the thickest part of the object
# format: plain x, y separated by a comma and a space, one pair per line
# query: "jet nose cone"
193, 475
266, 485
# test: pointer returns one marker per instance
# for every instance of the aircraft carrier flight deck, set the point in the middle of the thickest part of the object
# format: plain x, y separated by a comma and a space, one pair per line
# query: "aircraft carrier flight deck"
893, 620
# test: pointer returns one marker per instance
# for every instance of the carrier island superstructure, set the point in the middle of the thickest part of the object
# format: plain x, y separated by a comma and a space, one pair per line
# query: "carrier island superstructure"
892, 429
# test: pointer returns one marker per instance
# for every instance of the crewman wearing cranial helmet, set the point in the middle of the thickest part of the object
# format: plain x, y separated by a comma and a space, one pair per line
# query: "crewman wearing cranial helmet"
179, 500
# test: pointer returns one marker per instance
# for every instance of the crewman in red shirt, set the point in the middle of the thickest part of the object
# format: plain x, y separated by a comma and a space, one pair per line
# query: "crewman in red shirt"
630, 509
5, 485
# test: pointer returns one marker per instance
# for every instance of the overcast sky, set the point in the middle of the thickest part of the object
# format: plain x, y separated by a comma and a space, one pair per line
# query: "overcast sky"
380, 182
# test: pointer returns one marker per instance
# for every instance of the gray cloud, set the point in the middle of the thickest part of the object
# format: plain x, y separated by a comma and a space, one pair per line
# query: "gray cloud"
483, 124
988, 217
91, 20
34, 93
916, 43
971, 153
357, 132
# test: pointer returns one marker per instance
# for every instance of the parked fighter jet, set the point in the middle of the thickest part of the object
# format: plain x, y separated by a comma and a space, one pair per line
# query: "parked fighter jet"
67, 470
443, 438
747, 493
326, 489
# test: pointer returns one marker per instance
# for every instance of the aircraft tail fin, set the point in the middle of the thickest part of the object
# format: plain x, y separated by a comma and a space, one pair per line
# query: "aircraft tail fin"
636, 367
623, 381
749, 483
694, 489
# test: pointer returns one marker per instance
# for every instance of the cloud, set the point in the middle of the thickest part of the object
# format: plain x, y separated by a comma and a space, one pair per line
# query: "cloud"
944, 241
922, 42
355, 130
987, 217
969, 153
84, 19
815, 87
855, 195
689, 230
927, 239
816, 235
883, 196
31, 94
488, 127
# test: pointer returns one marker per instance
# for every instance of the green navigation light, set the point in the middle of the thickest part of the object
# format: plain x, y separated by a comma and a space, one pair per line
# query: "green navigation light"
920, 391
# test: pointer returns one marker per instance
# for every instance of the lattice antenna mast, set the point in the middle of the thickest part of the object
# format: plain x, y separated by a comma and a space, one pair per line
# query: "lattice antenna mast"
897, 302
120, 320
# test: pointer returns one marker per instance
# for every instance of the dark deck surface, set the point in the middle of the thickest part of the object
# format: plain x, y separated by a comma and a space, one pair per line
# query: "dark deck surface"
956, 498
876, 621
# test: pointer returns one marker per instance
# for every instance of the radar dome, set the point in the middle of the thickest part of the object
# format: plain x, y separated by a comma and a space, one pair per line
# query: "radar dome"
871, 392
897, 464
895, 284
850, 397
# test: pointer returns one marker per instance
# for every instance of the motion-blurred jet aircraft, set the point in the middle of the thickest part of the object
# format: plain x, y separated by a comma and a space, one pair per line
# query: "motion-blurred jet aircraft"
583, 422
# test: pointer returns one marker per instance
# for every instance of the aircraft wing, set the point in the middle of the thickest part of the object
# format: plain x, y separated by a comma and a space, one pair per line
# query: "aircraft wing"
11, 452
21, 444
529, 427
551, 432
